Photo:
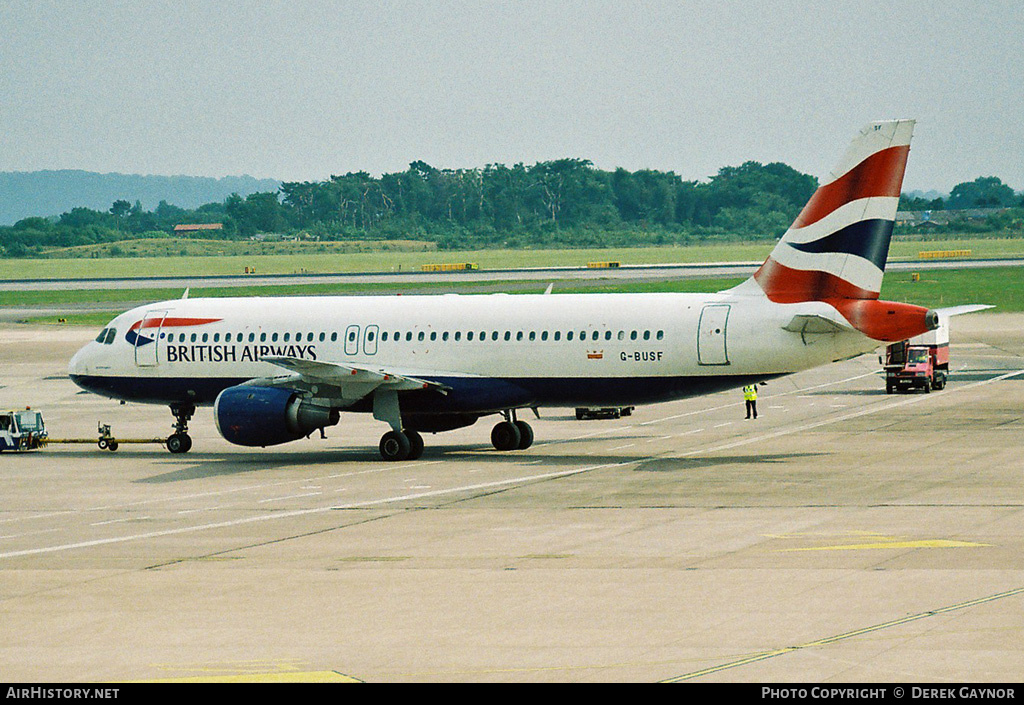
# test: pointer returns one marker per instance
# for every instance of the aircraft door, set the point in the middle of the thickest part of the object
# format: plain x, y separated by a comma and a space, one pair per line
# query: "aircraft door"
711, 335
147, 338
370, 340
352, 340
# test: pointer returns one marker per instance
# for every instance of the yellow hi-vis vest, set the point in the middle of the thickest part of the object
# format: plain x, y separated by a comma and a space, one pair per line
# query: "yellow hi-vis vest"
750, 392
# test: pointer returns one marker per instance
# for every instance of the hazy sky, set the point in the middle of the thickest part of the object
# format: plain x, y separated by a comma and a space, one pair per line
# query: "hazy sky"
300, 90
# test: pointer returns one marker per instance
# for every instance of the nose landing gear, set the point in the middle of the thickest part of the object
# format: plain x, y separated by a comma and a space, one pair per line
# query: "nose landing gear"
180, 441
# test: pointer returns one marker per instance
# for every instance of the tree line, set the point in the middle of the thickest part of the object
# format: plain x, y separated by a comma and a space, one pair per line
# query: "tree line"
563, 203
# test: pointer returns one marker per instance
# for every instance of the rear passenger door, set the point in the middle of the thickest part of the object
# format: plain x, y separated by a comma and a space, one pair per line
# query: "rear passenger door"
712, 347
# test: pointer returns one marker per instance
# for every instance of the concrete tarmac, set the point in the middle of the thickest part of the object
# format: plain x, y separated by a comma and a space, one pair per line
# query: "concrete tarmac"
846, 535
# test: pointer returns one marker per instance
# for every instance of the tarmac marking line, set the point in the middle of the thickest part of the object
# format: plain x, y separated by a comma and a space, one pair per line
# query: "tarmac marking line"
846, 635
851, 415
306, 512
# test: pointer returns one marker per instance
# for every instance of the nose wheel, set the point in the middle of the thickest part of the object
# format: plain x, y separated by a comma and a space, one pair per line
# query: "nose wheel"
180, 441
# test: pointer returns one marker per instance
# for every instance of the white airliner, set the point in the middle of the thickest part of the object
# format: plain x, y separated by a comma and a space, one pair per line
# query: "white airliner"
278, 369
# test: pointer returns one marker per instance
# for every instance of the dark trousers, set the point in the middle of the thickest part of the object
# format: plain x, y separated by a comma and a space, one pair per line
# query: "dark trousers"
751, 407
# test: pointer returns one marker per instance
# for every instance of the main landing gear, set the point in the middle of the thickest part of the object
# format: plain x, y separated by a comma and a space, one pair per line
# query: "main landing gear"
512, 434
180, 441
406, 444
401, 445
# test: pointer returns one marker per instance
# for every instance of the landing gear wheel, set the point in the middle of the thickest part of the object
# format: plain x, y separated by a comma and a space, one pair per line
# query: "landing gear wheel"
112, 446
506, 436
179, 443
525, 435
395, 445
415, 444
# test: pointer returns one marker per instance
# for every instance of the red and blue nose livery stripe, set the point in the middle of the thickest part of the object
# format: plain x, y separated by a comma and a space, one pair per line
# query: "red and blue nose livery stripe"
137, 338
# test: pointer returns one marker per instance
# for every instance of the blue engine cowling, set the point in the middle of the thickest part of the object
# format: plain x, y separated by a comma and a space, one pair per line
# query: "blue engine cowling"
267, 416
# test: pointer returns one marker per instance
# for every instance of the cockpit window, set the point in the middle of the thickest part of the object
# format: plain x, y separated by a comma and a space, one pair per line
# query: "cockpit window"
103, 334
111, 334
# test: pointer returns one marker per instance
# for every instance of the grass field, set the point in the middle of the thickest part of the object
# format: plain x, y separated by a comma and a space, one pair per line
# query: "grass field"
309, 258
315, 262
1002, 287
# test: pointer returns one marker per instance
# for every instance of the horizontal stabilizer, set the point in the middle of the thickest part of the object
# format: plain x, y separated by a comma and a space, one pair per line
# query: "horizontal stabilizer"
813, 324
960, 310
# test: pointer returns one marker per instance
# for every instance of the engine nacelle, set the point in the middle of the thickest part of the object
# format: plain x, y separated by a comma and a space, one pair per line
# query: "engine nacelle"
267, 416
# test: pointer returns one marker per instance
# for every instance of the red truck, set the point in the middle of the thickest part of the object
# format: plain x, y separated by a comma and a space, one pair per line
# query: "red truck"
919, 363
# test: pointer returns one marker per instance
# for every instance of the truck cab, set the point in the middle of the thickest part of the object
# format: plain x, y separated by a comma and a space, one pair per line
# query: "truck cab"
910, 366
21, 430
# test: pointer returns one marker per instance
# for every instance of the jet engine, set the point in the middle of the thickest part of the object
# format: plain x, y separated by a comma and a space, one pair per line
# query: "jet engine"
267, 416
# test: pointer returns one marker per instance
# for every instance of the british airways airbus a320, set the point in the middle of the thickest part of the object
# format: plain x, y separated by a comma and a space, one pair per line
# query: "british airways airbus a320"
278, 369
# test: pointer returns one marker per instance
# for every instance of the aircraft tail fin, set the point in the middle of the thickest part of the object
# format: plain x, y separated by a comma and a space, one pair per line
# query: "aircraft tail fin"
837, 247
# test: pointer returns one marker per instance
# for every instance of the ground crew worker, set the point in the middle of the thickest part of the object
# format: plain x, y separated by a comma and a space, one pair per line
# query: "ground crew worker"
750, 397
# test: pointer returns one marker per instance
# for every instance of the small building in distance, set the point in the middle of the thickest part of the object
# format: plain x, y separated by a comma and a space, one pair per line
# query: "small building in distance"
190, 228
938, 218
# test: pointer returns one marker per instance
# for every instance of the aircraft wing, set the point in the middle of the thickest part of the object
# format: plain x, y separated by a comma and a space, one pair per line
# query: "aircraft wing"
348, 381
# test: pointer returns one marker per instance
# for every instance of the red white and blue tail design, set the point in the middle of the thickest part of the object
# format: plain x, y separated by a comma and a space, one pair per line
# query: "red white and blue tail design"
836, 249
838, 245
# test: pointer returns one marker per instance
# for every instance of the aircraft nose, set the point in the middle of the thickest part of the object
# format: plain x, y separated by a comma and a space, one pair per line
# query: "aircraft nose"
79, 364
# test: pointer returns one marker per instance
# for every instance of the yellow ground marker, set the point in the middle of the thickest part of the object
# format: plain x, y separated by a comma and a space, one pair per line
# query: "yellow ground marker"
879, 545
276, 677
